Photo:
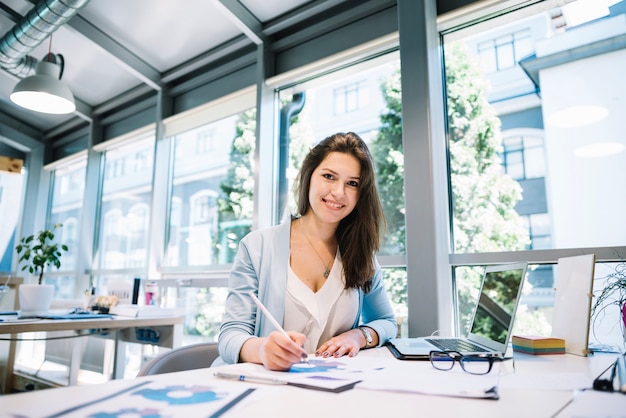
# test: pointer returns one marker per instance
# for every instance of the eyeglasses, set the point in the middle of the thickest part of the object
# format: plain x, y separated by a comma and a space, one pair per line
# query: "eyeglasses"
473, 363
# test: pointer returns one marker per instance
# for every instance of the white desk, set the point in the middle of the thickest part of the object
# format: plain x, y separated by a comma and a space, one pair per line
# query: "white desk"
517, 398
121, 329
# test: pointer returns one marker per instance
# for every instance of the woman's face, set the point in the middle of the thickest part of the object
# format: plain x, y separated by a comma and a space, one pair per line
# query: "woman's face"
334, 190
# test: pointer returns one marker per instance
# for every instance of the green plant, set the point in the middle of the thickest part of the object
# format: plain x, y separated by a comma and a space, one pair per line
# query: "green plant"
39, 251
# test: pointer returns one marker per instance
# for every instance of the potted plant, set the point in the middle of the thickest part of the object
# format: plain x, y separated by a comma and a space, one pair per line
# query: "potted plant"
37, 252
612, 295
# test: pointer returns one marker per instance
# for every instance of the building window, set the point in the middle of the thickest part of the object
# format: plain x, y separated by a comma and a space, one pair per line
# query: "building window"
350, 97
523, 156
505, 51
204, 141
125, 205
212, 191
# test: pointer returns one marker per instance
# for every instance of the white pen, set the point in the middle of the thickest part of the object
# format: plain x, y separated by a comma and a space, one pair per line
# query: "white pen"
272, 320
251, 379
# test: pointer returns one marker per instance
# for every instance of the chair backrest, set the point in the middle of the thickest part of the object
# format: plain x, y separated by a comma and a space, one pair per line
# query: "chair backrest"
189, 357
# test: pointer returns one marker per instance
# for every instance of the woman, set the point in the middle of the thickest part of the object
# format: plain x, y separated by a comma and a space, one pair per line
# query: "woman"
317, 273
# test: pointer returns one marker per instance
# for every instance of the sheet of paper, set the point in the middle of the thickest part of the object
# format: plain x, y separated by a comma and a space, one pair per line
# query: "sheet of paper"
428, 380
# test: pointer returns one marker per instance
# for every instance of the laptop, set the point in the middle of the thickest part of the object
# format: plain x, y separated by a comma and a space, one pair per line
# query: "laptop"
492, 320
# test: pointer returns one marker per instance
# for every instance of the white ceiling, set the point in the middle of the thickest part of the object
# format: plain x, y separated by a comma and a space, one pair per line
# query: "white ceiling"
113, 46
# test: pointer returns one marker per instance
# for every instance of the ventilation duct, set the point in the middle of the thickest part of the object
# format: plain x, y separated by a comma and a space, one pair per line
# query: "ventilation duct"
40, 21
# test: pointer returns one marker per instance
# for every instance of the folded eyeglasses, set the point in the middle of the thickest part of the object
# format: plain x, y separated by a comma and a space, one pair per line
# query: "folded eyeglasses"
472, 363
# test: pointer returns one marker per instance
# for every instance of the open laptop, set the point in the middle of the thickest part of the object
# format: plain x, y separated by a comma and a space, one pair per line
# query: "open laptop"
492, 321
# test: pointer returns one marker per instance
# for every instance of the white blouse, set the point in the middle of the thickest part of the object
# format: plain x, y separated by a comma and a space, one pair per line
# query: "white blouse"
323, 314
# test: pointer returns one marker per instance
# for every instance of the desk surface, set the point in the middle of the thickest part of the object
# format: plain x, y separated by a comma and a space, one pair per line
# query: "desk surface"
16, 326
518, 398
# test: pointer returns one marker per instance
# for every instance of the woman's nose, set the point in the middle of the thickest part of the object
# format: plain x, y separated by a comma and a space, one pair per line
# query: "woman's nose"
338, 189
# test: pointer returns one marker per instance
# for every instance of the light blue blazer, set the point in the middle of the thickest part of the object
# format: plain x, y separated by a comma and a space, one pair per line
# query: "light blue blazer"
261, 267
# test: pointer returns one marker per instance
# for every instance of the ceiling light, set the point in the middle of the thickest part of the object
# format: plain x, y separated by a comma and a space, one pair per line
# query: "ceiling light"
44, 92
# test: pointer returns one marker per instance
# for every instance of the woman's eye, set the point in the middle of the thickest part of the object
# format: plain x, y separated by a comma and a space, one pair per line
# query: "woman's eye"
328, 176
353, 184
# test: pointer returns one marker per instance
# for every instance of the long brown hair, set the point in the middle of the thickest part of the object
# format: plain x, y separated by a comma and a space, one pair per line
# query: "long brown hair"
358, 234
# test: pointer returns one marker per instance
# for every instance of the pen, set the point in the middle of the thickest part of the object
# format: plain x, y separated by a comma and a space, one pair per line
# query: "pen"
273, 320
251, 379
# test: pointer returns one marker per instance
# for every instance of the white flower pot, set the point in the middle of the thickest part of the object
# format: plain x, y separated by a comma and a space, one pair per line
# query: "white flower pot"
35, 299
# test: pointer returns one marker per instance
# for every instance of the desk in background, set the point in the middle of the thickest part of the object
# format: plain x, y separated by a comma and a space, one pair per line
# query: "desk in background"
517, 397
161, 331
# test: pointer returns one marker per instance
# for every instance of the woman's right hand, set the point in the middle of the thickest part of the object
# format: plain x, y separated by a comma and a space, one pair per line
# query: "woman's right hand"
278, 352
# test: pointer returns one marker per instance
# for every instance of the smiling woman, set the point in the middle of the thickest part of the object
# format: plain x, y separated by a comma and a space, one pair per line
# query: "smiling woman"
332, 309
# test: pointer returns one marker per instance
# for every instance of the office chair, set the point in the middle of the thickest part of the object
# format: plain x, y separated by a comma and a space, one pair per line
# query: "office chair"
189, 357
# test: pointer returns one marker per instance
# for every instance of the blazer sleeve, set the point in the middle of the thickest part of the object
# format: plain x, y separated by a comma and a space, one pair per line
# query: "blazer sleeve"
260, 266
238, 322
377, 312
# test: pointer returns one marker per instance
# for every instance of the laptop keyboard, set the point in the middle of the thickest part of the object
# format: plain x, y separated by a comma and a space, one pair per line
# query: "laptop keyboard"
451, 344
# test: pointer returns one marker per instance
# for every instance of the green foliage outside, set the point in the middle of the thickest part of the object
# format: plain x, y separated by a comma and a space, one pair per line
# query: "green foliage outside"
236, 207
483, 196
236, 204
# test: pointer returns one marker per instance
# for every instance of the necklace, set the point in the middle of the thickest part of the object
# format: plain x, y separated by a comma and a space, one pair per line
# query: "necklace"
326, 267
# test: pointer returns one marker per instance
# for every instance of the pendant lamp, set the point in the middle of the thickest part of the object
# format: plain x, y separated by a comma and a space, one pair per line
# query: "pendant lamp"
44, 92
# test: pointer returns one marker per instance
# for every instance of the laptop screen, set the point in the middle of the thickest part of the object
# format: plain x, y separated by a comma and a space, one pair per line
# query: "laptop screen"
499, 296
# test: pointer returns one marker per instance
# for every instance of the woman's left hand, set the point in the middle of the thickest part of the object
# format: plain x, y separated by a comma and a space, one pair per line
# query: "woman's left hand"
347, 343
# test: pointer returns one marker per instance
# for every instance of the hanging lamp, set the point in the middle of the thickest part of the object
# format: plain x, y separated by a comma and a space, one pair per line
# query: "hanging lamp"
45, 92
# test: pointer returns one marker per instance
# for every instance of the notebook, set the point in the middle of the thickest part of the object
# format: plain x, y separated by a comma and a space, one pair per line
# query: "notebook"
492, 320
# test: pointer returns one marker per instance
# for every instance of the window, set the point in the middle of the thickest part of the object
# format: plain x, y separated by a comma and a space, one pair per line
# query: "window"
504, 51
66, 205
212, 192
10, 186
68, 188
350, 97
523, 156
527, 167
122, 241
378, 122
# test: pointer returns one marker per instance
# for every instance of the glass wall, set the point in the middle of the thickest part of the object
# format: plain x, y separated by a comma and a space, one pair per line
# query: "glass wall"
123, 234
534, 152
211, 202
534, 147
363, 98
11, 185
67, 194
212, 195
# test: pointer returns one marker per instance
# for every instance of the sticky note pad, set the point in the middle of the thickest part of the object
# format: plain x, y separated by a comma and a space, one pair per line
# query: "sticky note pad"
531, 344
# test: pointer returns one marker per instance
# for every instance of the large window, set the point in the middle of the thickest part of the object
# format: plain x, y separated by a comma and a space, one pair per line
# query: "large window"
534, 150
67, 194
212, 191
123, 236
10, 186
326, 105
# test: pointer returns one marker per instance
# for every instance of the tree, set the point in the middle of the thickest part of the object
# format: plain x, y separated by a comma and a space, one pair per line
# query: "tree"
484, 197
387, 151
236, 205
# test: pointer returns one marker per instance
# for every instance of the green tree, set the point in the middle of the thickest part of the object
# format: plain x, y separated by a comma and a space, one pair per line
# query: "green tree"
236, 205
387, 151
484, 197
235, 212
